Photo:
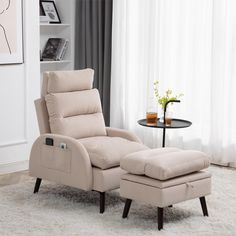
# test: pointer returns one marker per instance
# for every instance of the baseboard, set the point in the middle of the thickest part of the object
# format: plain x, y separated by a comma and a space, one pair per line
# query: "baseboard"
231, 164
14, 167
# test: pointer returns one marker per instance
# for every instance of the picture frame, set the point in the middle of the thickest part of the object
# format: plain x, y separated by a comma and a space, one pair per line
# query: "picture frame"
49, 9
11, 32
41, 11
43, 17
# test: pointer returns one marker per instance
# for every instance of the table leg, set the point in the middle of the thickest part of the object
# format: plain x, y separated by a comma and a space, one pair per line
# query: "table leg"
164, 137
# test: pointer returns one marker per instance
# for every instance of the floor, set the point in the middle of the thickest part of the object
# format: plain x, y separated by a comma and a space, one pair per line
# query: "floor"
14, 178
61, 210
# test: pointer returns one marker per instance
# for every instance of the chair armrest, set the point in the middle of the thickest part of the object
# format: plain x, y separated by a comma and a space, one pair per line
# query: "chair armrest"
114, 132
70, 166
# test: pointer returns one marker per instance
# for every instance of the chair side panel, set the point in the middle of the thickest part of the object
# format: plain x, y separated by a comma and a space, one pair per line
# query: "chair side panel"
42, 116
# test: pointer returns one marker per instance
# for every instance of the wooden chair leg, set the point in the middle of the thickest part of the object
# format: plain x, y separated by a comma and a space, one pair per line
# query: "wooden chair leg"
102, 202
126, 208
160, 217
37, 185
204, 206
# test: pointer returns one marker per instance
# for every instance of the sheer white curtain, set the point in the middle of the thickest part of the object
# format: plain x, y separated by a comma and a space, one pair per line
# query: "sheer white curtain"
189, 46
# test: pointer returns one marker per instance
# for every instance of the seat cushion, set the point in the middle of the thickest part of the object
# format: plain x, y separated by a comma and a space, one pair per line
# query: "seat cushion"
106, 152
76, 114
106, 180
165, 163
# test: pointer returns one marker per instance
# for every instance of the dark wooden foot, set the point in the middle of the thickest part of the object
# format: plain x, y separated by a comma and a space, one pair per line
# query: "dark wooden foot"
102, 202
126, 208
204, 206
160, 217
37, 185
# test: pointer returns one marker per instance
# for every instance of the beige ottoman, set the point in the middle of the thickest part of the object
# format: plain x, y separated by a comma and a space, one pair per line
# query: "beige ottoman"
163, 177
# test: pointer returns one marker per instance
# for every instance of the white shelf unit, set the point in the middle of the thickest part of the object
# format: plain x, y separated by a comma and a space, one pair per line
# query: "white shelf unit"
54, 25
64, 30
54, 62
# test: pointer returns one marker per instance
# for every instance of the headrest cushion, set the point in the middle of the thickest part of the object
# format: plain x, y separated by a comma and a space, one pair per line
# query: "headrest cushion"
67, 81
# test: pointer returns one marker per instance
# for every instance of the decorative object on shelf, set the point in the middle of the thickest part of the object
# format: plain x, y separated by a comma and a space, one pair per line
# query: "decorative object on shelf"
162, 100
43, 18
11, 46
151, 112
151, 118
55, 49
167, 98
168, 116
49, 9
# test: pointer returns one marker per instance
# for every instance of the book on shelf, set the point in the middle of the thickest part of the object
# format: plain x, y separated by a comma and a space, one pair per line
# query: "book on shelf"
55, 49
63, 51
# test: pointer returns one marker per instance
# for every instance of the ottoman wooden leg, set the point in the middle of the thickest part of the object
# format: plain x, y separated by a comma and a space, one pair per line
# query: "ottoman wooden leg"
160, 217
127, 207
204, 206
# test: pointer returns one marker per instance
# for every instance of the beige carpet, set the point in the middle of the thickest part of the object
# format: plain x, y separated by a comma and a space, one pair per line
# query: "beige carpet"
60, 210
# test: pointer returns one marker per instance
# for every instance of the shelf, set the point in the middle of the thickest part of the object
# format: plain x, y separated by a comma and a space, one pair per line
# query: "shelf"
52, 25
63, 30
54, 62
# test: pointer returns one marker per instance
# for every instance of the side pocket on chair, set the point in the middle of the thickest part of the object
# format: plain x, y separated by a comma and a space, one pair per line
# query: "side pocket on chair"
56, 158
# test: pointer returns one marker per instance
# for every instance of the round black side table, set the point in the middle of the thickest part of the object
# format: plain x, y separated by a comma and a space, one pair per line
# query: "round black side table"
175, 124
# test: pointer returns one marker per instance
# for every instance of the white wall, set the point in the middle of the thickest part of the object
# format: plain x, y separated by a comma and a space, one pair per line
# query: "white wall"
19, 86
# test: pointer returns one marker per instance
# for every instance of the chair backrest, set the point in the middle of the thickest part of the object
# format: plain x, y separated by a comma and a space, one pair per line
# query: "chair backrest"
69, 105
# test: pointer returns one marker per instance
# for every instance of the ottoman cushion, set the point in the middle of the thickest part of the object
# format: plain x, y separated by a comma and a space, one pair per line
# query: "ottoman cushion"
164, 163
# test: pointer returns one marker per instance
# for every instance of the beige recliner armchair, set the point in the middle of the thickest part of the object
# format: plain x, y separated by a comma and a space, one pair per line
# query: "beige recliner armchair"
75, 148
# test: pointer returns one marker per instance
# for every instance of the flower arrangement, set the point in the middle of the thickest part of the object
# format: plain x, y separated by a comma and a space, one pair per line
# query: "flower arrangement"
162, 100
